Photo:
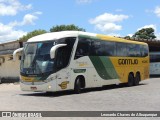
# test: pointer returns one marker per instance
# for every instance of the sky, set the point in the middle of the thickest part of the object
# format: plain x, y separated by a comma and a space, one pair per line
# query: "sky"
110, 17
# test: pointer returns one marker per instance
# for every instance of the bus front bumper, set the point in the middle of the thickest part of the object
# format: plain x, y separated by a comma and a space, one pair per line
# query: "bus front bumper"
45, 87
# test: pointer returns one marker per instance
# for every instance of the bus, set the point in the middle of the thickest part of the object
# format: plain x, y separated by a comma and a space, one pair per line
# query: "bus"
74, 60
154, 64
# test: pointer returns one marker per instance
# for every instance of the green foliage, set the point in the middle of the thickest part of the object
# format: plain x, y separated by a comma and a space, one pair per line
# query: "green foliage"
65, 28
145, 33
127, 37
31, 34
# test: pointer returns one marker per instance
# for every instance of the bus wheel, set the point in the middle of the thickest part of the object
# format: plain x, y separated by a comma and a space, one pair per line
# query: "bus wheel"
130, 80
77, 86
49, 93
137, 79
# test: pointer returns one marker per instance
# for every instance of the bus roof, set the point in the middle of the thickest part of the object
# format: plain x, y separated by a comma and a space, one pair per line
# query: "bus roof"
63, 34
58, 35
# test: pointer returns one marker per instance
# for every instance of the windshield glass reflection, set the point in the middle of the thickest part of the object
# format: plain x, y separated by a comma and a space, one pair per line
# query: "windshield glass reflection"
36, 58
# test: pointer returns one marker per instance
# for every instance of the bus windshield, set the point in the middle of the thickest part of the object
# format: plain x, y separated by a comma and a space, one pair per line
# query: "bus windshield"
36, 58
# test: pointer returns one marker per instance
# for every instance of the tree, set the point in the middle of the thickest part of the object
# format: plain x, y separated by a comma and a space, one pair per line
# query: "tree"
145, 33
65, 28
31, 34
127, 37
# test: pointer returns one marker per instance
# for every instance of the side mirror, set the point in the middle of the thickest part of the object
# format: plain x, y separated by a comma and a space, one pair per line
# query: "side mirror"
54, 48
15, 53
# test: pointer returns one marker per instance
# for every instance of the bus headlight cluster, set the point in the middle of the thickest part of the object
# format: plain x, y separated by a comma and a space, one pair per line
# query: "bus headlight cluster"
49, 86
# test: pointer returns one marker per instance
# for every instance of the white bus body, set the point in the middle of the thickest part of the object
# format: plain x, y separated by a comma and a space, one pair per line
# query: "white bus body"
63, 61
155, 64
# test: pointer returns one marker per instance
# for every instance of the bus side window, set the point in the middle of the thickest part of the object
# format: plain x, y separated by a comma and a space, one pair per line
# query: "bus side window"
138, 51
154, 58
102, 48
96, 48
144, 51
64, 53
131, 50
121, 49
134, 50
109, 48
82, 48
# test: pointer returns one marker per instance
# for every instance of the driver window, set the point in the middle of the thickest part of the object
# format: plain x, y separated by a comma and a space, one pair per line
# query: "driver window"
82, 48
63, 54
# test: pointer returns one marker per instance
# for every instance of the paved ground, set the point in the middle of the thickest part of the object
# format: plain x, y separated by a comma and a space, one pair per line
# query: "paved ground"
145, 97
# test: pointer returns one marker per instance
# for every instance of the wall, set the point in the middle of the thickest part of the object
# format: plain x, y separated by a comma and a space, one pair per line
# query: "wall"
9, 68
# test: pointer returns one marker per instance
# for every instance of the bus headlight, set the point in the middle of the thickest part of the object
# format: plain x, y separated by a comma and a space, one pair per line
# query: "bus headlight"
49, 86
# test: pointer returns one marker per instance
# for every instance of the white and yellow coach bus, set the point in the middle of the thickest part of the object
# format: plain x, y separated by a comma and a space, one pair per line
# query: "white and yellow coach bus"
73, 60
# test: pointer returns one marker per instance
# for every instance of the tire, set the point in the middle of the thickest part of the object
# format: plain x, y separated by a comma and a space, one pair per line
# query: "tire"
0, 81
130, 80
49, 93
137, 79
77, 86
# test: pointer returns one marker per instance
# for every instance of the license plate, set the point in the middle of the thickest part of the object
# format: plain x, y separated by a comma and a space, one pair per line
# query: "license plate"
33, 88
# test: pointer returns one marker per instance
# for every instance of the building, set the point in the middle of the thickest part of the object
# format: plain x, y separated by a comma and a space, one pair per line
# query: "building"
9, 70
